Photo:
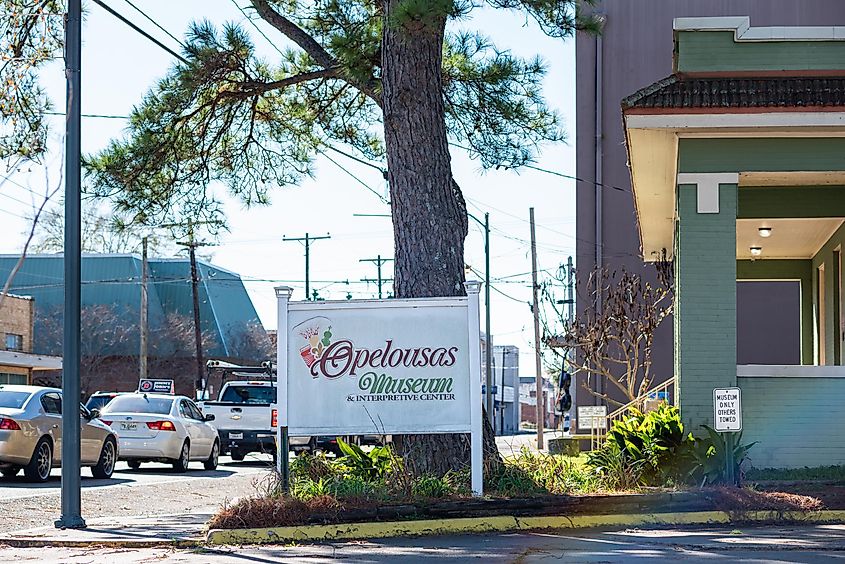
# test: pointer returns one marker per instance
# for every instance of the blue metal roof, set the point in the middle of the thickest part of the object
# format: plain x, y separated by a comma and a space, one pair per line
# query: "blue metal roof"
115, 281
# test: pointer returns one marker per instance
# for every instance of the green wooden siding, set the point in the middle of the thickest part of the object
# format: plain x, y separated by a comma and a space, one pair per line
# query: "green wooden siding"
705, 303
716, 51
761, 154
795, 420
787, 269
772, 202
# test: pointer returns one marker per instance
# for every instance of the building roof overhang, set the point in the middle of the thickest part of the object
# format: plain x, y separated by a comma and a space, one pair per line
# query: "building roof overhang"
29, 360
652, 131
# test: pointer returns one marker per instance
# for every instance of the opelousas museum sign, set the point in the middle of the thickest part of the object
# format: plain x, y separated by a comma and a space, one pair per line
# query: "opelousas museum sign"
386, 367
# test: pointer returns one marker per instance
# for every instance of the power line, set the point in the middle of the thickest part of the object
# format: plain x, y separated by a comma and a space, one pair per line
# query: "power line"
155, 23
141, 31
273, 45
364, 184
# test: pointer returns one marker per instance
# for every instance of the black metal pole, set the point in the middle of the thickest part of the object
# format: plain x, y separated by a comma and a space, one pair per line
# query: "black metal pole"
71, 472
489, 348
197, 327
307, 261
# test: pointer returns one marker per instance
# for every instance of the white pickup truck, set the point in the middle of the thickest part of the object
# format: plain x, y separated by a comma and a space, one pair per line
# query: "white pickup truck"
246, 419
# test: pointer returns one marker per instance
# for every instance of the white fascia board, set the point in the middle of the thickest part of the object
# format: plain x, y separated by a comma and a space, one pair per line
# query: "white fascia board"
735, 120
741, 27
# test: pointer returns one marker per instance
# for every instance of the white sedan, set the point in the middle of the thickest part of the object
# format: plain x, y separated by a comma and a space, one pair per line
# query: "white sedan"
162, 428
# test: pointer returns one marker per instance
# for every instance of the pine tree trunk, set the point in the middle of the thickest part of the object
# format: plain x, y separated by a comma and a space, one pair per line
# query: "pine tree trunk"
429, 213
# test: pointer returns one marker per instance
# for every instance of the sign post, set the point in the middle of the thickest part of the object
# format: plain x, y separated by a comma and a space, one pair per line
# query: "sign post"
283, 294
727, 419
362, 367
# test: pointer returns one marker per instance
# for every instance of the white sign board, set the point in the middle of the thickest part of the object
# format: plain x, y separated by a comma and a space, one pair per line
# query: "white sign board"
399, 366
727, 409
592, 416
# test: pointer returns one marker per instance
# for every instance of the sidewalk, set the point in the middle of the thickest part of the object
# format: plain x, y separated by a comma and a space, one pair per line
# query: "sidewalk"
512, 444
157, 530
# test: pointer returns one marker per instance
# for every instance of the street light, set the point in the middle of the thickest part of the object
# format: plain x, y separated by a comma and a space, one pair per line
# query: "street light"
488, 372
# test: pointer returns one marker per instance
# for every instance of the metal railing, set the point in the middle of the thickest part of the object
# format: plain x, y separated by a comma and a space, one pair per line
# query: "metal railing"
664, 392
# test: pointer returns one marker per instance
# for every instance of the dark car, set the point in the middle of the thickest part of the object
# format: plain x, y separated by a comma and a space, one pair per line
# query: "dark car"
98, 400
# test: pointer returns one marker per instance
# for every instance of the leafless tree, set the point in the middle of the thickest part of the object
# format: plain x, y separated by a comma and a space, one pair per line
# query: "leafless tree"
250, 342
614, 340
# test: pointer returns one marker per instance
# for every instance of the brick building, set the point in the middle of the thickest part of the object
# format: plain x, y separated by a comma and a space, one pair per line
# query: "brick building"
17, 324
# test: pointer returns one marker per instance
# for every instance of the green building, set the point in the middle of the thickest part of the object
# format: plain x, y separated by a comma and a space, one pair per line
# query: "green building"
738, 171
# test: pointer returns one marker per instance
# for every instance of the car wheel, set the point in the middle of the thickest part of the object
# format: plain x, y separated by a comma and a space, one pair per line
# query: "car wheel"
41, 463
105, 465
10, 472
238, 456
181, 463
211, 463
134, 464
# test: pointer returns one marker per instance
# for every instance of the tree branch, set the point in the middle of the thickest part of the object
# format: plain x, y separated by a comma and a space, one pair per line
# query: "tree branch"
310, 45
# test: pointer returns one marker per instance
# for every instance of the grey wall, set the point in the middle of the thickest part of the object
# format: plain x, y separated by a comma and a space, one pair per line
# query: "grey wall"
768, 316
637, 46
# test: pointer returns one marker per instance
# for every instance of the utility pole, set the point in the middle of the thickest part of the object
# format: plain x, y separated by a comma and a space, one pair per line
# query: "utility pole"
378, 262
192, 245
144, 310
307, 240
71, 517
541, 411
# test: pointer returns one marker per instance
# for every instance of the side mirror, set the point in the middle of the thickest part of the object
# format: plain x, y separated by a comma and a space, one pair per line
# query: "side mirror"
209, 417
93, 414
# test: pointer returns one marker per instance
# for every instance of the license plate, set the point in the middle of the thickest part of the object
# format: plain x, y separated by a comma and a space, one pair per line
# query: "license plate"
128, 426
236, 435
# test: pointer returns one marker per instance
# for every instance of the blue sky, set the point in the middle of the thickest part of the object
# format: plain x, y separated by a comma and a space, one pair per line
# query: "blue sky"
119, 66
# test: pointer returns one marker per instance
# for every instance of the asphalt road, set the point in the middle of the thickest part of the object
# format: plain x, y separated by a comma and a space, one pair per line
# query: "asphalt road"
152, 489
702, 544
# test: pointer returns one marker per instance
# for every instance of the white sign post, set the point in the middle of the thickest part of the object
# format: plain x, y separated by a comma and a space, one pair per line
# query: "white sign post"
592, 416
727, 409
398, 366
727, 419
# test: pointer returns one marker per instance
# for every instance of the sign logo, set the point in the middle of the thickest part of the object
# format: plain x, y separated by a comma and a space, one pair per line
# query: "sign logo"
317, 334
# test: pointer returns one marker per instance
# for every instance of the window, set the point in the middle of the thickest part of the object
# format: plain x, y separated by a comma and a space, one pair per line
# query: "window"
7, 378
52, 403
195, 411
138, 404
13, 400
14, 342
254, 395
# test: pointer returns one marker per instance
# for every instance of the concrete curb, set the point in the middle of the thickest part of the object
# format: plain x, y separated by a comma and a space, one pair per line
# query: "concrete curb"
32, 542
504, 523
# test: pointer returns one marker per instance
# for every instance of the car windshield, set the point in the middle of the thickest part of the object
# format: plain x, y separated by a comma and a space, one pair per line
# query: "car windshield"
13, 400
257, 395
97, 402
138, 404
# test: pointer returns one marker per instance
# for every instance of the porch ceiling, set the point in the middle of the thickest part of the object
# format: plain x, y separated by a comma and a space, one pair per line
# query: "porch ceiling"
790, 238
654, 160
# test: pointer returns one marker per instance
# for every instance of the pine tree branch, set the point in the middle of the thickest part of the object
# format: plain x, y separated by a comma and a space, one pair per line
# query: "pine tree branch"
310, 45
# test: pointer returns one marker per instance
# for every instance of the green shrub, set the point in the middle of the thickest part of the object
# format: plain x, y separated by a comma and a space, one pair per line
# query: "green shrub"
531, 473
710, 456
648, 449
432, 487
616, 470
372, 465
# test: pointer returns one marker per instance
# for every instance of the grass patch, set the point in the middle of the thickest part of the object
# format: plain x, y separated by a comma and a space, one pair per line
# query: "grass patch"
796, 474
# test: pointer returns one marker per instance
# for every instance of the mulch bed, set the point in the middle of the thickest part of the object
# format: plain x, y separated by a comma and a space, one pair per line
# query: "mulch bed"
278, 512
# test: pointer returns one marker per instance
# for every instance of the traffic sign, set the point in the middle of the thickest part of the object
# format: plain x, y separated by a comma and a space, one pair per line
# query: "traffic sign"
727, 409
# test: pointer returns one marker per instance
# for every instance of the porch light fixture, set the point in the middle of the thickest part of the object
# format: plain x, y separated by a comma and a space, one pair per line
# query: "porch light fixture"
756, 251
765, 231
